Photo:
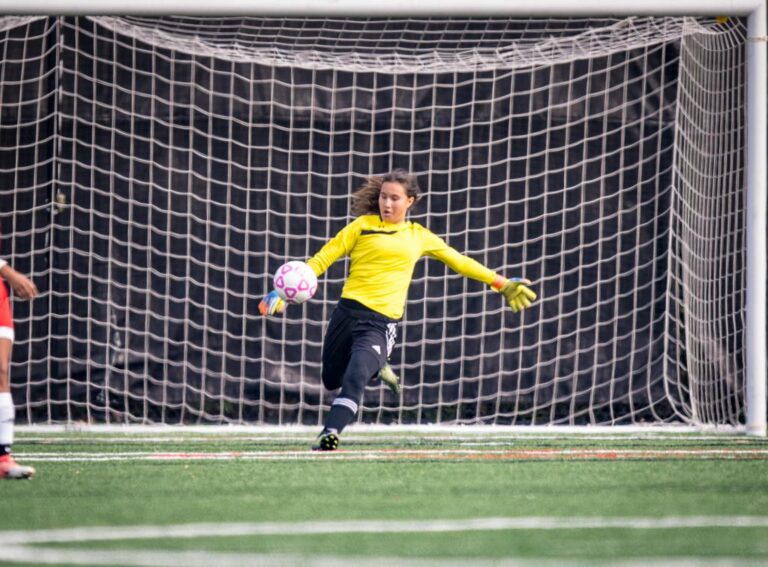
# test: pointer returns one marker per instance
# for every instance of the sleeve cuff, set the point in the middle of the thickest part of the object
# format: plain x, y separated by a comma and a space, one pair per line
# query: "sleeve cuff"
3, 263
498, 282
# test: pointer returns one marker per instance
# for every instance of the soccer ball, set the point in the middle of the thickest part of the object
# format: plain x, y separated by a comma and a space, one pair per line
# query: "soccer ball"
295, 282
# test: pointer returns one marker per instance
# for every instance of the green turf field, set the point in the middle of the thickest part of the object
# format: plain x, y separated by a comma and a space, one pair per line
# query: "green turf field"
261, 498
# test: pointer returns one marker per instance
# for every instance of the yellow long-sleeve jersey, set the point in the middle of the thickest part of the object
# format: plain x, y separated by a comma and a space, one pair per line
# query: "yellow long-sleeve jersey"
382, 258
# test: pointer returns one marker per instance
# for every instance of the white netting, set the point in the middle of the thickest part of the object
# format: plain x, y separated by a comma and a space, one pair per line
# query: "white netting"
163, 167
403, 45
707, 252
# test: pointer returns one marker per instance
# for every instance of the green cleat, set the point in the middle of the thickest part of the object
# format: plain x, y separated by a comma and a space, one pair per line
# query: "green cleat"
326, 441
392, 380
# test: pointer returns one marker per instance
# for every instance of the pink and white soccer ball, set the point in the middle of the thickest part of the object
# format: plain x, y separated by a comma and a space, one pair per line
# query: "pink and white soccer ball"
295, 282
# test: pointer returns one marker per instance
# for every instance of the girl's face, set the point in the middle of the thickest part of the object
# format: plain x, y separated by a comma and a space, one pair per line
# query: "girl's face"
394, 202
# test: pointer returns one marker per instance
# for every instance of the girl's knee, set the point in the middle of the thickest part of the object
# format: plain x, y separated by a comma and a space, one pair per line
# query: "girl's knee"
331, 378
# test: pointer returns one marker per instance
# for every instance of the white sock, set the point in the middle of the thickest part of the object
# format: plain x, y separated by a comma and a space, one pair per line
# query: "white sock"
7, 415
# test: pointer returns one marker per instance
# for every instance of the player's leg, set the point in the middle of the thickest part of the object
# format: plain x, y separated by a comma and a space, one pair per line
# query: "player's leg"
368, 355
361, 368
337, 345
8, 467
386, 374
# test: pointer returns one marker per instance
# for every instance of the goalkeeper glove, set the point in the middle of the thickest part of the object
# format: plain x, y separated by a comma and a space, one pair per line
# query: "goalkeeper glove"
272, 304
515, 291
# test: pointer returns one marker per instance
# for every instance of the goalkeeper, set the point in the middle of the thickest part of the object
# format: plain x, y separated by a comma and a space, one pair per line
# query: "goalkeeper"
383, 248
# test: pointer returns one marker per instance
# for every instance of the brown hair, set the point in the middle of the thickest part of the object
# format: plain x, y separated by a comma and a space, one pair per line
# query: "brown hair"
365, 201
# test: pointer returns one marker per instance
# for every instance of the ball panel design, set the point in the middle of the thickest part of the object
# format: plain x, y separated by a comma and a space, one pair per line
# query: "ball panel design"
295, 282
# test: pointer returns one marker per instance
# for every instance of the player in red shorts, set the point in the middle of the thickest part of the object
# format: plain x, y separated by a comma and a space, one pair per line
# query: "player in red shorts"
24, 288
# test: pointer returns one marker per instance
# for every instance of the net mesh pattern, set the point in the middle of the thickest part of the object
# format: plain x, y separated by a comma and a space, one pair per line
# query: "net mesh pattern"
156, 171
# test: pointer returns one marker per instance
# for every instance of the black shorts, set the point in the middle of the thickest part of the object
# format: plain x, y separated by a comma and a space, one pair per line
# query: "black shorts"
355, 329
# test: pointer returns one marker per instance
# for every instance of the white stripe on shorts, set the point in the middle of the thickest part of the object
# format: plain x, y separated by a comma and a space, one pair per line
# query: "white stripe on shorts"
391, 337
7, 333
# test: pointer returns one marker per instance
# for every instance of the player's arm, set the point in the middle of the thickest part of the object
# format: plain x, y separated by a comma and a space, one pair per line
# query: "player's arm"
22, 286
338, 246
515, 290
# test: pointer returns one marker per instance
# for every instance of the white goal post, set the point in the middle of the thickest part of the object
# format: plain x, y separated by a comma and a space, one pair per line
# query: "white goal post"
756, 116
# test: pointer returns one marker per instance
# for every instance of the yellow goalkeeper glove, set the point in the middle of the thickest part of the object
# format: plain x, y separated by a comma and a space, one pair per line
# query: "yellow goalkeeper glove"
272, 304
515, 291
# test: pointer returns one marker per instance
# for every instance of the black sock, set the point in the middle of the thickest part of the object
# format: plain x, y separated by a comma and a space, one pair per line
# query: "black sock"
338, 418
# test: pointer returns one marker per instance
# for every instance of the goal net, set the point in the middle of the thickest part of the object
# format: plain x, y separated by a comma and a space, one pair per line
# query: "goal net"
156, 171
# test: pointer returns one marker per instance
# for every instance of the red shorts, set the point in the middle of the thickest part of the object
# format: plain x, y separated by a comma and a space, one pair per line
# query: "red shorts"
6, 318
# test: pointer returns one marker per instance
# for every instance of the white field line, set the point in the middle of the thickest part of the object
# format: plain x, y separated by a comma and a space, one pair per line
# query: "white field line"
24, 546
396, 454
198, 530
177, 440
135, 558
129, 437
477, 430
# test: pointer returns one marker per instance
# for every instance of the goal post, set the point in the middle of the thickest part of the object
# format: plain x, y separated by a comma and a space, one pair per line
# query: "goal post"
200, 158
414, 8
757, 210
